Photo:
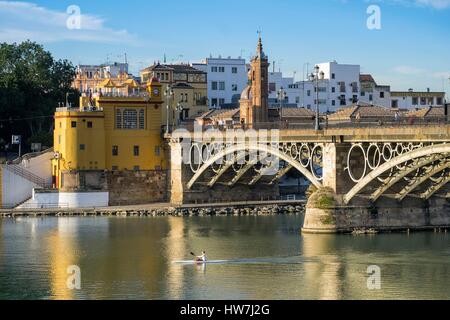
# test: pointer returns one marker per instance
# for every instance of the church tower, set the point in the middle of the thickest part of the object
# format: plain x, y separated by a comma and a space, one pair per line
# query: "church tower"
254, 103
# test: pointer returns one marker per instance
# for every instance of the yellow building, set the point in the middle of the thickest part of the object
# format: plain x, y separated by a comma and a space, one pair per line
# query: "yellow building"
117, 129
189, 87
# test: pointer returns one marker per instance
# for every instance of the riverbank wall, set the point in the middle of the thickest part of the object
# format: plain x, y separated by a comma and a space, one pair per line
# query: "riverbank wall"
161, 210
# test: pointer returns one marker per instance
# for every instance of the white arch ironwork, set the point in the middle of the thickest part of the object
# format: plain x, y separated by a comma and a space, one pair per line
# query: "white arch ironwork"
254, 148
396, 162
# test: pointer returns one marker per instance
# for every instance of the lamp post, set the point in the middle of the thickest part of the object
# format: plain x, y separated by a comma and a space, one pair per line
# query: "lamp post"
179, 109
281, 95
315, 77
168, 93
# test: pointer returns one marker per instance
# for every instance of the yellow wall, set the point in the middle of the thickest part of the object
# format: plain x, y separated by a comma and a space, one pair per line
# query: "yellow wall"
105, 133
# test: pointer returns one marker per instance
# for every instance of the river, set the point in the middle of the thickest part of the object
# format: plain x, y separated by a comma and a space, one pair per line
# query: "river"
264, 258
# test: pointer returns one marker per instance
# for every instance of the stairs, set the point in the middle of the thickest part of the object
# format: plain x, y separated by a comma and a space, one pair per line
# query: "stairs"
27, 175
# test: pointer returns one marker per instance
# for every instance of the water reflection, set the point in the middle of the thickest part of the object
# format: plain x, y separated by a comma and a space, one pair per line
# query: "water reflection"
262, 258
63, 249
323, 277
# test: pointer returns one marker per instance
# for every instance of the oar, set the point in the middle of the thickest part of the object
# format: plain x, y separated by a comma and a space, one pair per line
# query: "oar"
193, 254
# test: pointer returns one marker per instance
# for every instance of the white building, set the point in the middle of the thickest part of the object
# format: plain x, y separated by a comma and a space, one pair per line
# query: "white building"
414, 99
227, 78
372, 93
338, 86
103, 71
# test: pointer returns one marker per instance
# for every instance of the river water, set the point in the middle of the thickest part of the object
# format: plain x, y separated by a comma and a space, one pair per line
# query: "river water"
262, 258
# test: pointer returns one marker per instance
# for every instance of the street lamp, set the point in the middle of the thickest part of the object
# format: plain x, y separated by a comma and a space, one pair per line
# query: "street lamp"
315, 77
168, 93
178, 109
281, 95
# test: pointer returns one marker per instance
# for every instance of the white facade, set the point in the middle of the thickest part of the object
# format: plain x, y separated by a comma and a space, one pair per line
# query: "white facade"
338, 86
227, 78
414, 99
70, 200
15, 188
104, 71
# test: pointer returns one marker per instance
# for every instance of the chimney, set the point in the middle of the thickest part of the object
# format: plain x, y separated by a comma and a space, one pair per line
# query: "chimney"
428, 89
410, 90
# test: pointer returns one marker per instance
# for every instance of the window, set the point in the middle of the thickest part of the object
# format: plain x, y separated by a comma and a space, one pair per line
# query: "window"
214, 102
430, 101
394, 104
118, 119
60, 124
381, 94
308, 93
136, 151
423, 101
333, 76
222, 85
221, 102
142, 119
234, 70
363, 94
82, 147
136, 168
214, 85
333, 102
333, 89
115, 151
130, 119
415, 101
59, 139
221, 69
439, 101
89, 124
234, 87
370, 97
213, 69
74, 124
157, 151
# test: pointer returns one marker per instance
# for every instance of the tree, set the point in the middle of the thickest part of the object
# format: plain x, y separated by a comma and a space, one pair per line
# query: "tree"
32, 83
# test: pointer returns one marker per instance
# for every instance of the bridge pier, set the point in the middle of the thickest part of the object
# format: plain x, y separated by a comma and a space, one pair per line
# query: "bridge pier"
328, 212
382, 178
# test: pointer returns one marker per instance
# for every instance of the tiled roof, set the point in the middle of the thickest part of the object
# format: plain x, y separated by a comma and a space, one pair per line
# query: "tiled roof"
429, 112
364, 110
217, 114
297, 112
366, 78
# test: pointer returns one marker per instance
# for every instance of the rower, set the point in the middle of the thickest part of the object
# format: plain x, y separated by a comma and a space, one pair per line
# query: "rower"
202, 257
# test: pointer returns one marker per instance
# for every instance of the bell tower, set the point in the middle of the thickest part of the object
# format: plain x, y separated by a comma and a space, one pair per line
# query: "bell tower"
254, 102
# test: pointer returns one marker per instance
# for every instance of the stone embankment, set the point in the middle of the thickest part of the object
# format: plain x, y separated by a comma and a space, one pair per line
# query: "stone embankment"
265, 210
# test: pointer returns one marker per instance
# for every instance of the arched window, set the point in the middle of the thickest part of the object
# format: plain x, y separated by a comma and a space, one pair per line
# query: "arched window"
130, 120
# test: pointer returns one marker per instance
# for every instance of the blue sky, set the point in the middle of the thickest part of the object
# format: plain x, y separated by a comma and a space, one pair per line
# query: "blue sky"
411, 50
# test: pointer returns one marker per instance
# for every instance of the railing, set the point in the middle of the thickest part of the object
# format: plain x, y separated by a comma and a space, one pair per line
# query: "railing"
27, 175
311, 126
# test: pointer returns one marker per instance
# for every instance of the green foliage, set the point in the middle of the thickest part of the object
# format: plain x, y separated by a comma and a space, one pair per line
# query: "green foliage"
325, 202
32, 83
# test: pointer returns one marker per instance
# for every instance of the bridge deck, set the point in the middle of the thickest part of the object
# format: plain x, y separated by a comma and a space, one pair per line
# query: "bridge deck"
407, 133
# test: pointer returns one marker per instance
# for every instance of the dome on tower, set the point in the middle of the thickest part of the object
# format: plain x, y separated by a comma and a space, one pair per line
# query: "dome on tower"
247, 93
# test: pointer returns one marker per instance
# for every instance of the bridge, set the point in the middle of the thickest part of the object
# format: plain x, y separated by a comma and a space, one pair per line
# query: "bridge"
384, 177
